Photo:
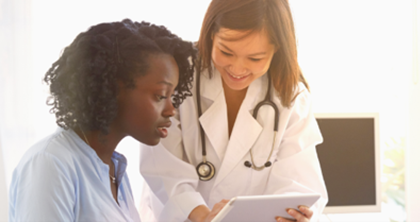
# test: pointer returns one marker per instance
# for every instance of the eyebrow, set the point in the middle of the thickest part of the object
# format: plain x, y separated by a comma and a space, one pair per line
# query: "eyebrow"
254, 54
164, 83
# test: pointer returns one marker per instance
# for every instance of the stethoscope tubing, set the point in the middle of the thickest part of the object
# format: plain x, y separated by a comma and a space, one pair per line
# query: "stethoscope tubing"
204, 165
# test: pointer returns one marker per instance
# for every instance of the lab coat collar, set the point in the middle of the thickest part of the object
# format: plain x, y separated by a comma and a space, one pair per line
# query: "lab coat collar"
212, 87
214, 119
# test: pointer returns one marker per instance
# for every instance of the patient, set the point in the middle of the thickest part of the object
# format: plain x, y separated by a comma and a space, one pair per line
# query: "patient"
115, 80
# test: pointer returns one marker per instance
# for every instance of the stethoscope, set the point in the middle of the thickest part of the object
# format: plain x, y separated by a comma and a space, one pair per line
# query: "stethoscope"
206, 169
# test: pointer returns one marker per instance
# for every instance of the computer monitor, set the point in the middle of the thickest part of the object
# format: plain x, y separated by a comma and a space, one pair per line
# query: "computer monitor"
350, 161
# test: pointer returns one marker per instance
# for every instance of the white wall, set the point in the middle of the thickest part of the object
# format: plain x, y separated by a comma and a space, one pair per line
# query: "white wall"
357, 57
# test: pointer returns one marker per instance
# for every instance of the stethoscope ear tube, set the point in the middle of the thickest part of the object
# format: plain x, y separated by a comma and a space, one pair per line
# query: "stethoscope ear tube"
205, 169
267, 101
267, 163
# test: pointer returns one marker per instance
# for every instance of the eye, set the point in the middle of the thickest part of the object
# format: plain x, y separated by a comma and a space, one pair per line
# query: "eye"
225, 53
255, 60
160, 98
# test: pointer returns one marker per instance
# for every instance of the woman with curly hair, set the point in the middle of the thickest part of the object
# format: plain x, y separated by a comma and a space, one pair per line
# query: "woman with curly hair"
115, 80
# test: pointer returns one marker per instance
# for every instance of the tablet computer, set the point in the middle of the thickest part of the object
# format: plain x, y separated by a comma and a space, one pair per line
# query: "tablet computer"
263, 208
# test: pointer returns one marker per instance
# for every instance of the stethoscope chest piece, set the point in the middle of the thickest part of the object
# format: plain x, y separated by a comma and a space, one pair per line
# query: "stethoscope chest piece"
205, 170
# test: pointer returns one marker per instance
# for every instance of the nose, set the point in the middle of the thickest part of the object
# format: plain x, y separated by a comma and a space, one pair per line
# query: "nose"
169, 110
238, 68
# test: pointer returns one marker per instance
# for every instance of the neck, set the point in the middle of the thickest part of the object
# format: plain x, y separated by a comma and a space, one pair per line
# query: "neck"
234, 100
104, 145
234, 95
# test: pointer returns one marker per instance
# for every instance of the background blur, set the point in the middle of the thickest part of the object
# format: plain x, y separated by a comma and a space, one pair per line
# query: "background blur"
358, 56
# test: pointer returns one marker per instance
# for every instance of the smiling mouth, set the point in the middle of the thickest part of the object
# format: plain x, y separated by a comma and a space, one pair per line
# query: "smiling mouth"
237, 77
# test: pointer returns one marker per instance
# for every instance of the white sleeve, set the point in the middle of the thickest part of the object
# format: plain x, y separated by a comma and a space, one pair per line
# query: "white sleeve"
42, 190
297, 168
172, 180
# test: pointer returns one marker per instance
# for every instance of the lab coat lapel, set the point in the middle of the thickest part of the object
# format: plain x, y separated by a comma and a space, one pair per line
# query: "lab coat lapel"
245, 132
214, 119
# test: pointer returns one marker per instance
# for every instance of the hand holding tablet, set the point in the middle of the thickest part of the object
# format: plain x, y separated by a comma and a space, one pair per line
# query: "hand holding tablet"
263, 208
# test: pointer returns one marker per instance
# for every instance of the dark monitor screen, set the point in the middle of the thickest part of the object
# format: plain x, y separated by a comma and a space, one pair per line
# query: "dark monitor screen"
349, 161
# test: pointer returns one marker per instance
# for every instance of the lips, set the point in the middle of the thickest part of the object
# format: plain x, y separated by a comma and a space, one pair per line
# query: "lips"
237, 77
162, 129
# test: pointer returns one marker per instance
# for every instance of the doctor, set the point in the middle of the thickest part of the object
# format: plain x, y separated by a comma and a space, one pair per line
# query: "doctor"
222, 143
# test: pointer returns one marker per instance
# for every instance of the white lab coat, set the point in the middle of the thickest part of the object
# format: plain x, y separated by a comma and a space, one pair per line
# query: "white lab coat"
170, 167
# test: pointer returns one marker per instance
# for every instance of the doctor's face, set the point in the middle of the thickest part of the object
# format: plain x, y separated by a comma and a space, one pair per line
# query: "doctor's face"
241, 56
143, 112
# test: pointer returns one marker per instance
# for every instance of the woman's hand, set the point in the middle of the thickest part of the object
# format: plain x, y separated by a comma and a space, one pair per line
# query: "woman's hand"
304, 215
203, 214
216, 209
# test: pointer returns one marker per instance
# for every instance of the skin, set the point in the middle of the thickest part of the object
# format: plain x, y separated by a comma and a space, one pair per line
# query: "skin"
241, 57
304, 215
143, 112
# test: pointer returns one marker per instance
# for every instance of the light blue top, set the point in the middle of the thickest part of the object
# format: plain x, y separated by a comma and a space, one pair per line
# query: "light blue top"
62, 179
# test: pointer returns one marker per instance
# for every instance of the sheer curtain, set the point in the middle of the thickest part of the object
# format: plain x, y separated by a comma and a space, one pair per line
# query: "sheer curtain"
413, 152
16, 99
3, 189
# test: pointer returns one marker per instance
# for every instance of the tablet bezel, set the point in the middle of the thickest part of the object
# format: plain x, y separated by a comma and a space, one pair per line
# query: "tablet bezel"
269, 206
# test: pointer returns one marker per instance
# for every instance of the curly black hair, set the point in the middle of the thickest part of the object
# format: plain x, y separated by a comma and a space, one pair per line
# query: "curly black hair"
84, 80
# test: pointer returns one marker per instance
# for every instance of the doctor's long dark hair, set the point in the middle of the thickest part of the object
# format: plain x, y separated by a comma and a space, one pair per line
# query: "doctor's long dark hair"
272, 16
84, 80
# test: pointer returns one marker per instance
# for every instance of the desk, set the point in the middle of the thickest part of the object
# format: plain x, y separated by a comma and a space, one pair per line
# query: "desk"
370, 217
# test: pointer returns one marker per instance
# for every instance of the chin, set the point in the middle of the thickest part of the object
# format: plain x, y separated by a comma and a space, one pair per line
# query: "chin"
148, 141
152, 143
237, 87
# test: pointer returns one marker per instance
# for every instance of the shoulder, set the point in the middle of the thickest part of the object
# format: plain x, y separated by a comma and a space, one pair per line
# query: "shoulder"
44, 184
60, 144
302, 103
55, 150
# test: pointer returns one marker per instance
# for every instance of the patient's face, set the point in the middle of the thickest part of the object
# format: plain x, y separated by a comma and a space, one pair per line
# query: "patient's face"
144, 112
